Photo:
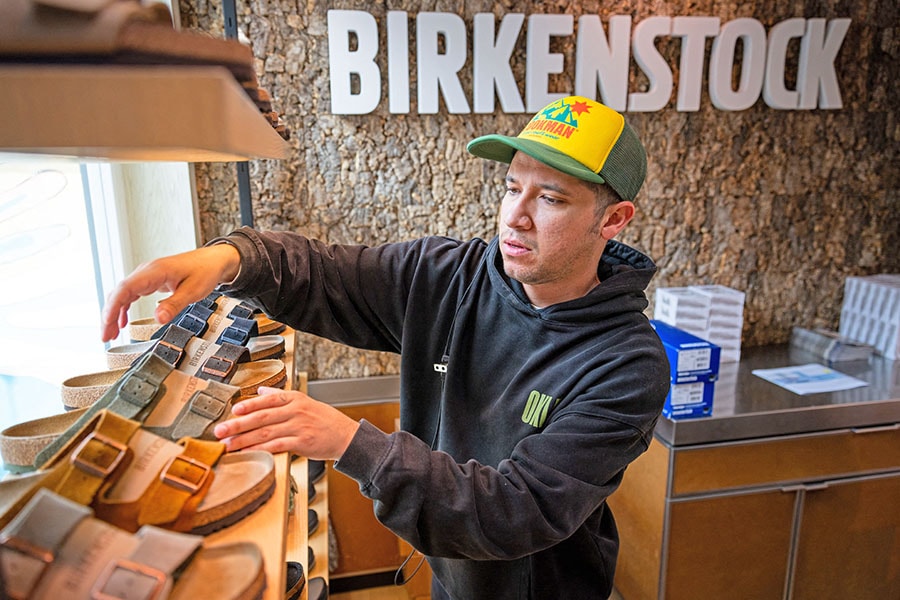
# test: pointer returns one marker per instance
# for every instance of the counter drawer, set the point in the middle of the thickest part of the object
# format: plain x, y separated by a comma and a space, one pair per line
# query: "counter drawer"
785, 460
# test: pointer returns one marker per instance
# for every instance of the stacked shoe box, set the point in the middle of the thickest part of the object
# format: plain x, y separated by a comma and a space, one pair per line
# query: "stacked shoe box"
693, 370
711, 312
871, 312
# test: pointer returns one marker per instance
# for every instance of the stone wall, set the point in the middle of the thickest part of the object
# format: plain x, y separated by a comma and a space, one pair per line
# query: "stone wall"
780, 204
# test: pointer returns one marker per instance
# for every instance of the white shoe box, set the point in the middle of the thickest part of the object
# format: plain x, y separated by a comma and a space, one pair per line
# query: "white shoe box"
711, 312
871, 312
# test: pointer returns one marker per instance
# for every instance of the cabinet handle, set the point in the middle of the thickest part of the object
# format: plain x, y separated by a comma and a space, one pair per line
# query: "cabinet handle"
805, 487
876, 429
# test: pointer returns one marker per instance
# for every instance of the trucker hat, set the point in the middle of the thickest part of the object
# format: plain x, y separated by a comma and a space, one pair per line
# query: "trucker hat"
580, 137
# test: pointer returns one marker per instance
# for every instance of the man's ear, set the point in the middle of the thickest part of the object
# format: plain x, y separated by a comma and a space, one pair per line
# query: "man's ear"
615, 218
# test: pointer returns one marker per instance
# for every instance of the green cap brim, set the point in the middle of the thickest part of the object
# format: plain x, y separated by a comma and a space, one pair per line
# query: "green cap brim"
502, 148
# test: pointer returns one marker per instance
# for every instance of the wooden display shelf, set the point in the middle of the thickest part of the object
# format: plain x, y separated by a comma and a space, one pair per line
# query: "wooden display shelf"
298, 538
266, 527
282, 534
132, 113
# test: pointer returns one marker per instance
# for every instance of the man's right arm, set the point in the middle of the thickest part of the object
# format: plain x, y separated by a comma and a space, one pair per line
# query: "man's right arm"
189, 276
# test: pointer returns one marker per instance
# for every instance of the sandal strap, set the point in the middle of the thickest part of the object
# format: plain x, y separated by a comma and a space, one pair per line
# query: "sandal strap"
204, 408
211, 301
140, 388
242, 310
149, 571
196, 319
239, 331
131, 400
183, 482
171, 346
222, 365
99, 450
39, 533
30, 542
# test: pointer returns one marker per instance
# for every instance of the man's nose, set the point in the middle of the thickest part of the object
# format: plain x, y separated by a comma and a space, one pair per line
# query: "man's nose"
516, 213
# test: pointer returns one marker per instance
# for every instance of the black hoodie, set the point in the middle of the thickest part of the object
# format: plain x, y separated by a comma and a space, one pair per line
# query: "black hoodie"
517, 422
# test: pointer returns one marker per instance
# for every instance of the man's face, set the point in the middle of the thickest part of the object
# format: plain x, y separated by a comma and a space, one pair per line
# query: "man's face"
550, 232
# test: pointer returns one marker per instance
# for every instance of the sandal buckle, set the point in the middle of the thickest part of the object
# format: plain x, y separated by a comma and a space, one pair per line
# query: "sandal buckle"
169, 352
241, 310
127, 582
181, 481
137, 389
29, 551
193, 323
207, 406
218, 366
89, 464
237, 333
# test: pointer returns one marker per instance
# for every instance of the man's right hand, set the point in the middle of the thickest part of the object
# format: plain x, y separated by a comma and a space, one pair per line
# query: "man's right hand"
189, 276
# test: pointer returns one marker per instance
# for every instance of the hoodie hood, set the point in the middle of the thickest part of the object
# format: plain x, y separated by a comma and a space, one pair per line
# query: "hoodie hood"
624, 274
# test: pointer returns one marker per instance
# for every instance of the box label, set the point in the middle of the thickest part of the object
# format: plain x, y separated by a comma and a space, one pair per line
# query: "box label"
690, 393
693, 360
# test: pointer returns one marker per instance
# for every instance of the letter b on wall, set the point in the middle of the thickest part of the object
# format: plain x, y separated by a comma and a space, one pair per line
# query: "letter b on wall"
347, 62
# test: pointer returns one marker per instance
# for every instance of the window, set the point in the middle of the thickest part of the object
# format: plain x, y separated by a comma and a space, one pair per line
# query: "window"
69, 231
49, 305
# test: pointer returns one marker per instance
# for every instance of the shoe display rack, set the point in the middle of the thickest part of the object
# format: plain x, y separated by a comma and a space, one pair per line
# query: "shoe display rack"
282, 534
279, 527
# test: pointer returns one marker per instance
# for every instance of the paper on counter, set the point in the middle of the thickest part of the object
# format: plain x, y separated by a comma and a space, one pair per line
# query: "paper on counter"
812, 378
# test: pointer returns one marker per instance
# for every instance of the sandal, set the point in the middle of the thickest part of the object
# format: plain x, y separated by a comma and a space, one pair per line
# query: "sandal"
168, 402
216, 318
260, 347
132, 477
55, 548
224, 363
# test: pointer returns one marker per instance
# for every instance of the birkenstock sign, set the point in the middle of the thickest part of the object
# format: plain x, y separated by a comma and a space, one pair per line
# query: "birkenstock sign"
745, 62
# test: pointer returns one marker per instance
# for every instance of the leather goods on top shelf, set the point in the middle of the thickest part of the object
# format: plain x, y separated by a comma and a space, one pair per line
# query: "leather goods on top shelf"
120, 32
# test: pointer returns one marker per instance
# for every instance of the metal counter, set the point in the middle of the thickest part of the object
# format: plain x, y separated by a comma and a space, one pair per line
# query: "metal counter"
746, 406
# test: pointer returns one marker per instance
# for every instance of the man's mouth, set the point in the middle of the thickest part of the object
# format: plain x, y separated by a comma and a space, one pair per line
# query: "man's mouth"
513, 247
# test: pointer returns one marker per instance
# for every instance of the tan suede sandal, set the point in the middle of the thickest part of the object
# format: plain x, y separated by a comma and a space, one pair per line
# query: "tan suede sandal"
132, 477
166, 401
55, 548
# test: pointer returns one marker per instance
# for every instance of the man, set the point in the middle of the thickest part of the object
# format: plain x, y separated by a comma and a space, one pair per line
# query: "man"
530, 377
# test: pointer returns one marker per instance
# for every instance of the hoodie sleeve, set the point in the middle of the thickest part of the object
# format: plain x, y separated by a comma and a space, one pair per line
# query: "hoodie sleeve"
325, 289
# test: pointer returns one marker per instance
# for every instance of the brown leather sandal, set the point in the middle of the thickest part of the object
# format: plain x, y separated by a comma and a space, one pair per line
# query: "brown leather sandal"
166, 401
132, 477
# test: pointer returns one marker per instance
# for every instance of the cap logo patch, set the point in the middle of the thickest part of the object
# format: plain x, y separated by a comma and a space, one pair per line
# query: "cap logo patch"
557, 120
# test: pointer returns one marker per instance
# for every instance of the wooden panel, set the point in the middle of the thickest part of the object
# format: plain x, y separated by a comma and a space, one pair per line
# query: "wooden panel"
364, 545
729, 547
804, 458
639, 509
849, 544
